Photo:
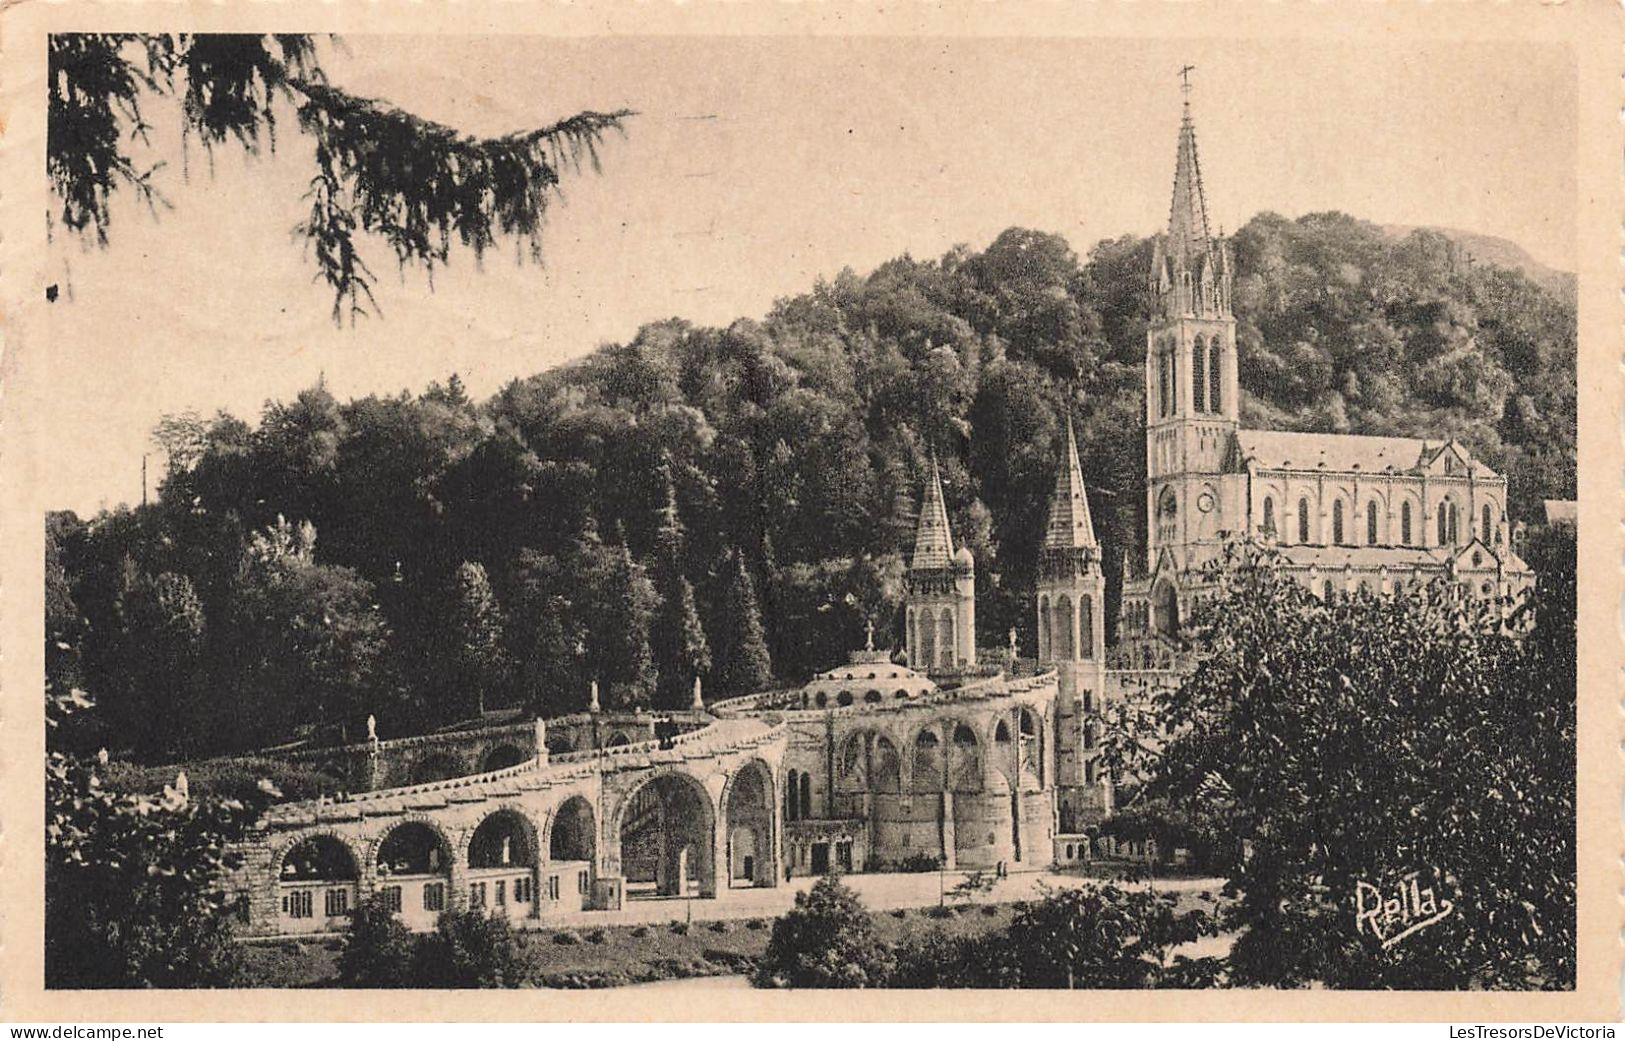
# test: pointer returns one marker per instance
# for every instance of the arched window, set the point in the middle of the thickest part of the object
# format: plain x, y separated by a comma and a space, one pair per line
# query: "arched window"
1486, 528
1449, 524
1405, 523
806, 796
791, 790
1303, 520
1444, 530
1326, 591
1213, 377
1371, 523
1337, 522
1269, 515
1167, 516
1086, 625
1198, 375
1165, 379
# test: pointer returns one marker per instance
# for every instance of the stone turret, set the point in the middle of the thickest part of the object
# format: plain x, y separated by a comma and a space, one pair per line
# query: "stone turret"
1072, 636
940, 610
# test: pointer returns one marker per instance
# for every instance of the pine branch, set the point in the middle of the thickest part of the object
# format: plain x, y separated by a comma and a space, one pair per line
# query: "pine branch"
421, 185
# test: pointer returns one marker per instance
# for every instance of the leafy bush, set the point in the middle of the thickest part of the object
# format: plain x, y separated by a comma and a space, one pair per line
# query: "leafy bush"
378, 951
900, 913
826, 940
680, 928
918, 863
755, 923
566, 938
639, 932
597, 936
470, 949
719, 926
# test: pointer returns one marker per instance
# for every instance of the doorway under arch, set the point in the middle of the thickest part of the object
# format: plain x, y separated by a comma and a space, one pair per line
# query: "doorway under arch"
667, 839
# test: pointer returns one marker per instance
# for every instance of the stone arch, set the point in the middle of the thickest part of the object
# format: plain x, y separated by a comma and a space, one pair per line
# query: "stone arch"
747, 815
416, 845
792, 789
945, 638
1030, 730
885, 766
665, 831
927, 760
559, 743
617, 740
873, 697
325, 856
572, 832
1061, 633
965, 759
844, 698
505, 837
1167, 516
852, 762
1166, 605
436, 766
503, 756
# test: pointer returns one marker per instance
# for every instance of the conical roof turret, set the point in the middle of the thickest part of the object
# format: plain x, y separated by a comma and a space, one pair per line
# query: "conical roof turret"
1070, 526
933, 541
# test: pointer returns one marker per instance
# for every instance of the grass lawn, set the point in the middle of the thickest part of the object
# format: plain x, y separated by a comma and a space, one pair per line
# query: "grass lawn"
619, 955
612, 956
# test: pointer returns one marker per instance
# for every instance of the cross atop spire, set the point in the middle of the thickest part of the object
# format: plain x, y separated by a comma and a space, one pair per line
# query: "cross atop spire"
1185, 81
1070, 526
933, 542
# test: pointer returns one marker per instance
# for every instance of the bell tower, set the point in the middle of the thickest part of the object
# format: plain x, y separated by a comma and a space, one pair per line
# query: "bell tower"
1192, 411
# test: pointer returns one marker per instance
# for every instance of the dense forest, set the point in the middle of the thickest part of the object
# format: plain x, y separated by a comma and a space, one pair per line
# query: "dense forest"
736, 502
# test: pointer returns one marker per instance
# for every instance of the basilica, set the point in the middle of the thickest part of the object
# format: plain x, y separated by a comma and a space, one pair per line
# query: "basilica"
1345, 513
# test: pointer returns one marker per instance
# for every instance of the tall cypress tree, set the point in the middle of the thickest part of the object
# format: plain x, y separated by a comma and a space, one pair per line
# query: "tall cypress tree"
680, 647
479, 663
743, 665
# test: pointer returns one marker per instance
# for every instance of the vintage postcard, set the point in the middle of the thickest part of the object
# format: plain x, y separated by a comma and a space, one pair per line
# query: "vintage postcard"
716, 505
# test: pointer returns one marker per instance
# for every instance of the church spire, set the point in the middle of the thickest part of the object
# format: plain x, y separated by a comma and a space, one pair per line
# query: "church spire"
933, 542
1070, 526
1187, 218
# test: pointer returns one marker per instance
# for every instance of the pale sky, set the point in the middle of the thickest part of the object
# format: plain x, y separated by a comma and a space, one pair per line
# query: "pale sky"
758, 165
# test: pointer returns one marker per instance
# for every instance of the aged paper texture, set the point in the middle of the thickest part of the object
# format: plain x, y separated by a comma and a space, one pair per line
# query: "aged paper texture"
745, 499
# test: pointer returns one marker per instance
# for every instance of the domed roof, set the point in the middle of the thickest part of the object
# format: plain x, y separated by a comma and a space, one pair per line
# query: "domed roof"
963, 556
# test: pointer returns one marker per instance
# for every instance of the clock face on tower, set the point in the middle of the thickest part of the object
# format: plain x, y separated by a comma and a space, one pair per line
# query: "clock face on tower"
1204, 502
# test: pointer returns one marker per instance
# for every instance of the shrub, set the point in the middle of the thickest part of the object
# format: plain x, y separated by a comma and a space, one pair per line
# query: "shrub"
755, 923
680, 928
990, 911
566, 939
918, 863
826, 940
940, 912
597, 936
719, 926
469, 949
378, 950
900, 913
640, 932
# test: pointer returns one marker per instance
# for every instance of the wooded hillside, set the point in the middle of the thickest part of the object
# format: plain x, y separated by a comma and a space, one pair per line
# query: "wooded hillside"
736, 502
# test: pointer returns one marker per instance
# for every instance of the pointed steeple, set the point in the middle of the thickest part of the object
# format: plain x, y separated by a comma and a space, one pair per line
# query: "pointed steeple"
933, 542
1070, 526
1187, 218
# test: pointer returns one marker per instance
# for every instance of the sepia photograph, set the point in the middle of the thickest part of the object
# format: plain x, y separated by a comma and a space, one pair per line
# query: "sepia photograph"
703, 515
